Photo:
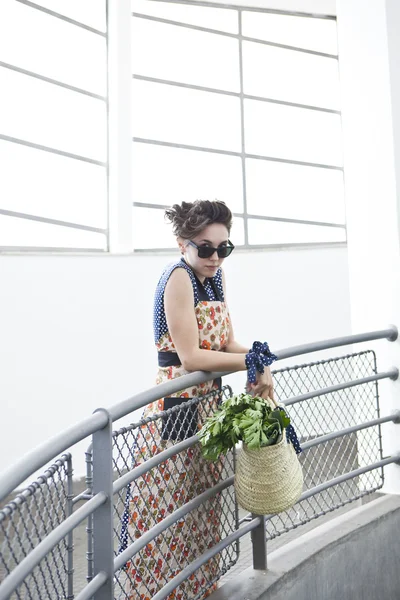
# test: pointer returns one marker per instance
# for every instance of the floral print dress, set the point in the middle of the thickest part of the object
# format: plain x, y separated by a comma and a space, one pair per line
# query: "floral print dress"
186, 475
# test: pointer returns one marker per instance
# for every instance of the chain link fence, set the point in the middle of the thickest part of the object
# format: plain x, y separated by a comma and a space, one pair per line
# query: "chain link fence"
321, 415
157, 493
33, 513
26, 520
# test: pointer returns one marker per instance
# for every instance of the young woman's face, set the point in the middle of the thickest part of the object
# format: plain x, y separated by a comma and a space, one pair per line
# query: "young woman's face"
213, 235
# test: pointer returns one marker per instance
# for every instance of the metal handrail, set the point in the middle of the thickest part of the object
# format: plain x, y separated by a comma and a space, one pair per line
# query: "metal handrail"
97, 423
93, 586
394, 417
28, 464
392, 374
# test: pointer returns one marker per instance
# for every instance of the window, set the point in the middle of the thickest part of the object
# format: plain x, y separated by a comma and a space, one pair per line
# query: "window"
242, 106
53, 125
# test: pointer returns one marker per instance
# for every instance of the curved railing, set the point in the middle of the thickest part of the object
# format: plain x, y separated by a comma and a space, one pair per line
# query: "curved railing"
99, 497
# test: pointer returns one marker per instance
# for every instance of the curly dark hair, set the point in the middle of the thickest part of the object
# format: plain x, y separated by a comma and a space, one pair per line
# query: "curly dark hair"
190, 218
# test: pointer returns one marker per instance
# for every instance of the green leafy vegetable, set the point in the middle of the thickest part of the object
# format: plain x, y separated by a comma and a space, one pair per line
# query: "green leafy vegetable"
242, 418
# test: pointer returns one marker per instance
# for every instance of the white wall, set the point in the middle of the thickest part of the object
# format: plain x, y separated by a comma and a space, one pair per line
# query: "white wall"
76, 331
369, 47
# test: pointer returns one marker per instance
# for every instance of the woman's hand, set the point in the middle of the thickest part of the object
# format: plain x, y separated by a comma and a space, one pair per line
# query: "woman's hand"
264, 386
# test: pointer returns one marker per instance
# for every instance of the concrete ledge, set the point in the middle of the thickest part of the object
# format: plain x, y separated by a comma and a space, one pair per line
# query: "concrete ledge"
353, 557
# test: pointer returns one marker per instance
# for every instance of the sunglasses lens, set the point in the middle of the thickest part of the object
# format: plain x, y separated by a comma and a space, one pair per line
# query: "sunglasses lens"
224, 251
205, 251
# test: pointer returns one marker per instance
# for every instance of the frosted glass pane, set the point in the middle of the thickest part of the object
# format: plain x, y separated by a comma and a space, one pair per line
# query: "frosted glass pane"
25, 233
289, 75
275, 232
47, 114
150, 230
237, 231
47, 185
212, 18
162, 175
209, 60
89, 12
77, 57
294, 192
301, 32
168, 113
292, 133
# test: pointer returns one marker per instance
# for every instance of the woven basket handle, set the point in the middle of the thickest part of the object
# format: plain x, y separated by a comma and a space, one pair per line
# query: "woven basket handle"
273, 402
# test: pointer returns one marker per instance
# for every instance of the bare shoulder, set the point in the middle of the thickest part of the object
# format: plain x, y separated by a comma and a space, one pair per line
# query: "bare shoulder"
179, 283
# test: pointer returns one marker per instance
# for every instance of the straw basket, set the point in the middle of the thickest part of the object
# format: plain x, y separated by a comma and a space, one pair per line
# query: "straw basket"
268, 480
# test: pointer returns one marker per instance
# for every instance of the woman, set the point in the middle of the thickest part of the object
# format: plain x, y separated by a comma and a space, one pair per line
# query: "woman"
193, 332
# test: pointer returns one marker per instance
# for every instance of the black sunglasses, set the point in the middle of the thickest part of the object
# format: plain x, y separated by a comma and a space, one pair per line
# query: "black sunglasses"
207, 251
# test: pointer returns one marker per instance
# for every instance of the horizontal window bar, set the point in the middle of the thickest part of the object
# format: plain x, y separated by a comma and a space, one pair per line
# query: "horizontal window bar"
14, 140
232, 35
60, 249
62, 17
52, 81
287, 47
251, 216
190, 86
255, 247
287, 220
184, 25
201, 560
395, 418
275, 11
201, 88
184, 146
18, 215
22, 570
152, 533
232, 153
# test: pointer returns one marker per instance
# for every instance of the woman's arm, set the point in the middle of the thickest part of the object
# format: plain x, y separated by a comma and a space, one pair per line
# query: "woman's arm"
183, 328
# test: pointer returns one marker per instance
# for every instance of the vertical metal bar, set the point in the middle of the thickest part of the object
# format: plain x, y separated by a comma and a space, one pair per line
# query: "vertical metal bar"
70, 537
259, 541
237, 520
89, 527
102, 518
378, 411
242, 131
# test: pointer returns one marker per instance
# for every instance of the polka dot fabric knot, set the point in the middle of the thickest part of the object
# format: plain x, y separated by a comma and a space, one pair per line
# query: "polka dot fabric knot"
259, 357
263, 348
291, 437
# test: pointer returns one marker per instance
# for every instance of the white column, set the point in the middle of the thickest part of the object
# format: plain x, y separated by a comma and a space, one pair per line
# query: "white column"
369, 50
120, 131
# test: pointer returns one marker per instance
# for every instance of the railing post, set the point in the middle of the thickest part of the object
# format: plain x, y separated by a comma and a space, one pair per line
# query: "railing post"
70, 537
259, 541
89, 526
103, 545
